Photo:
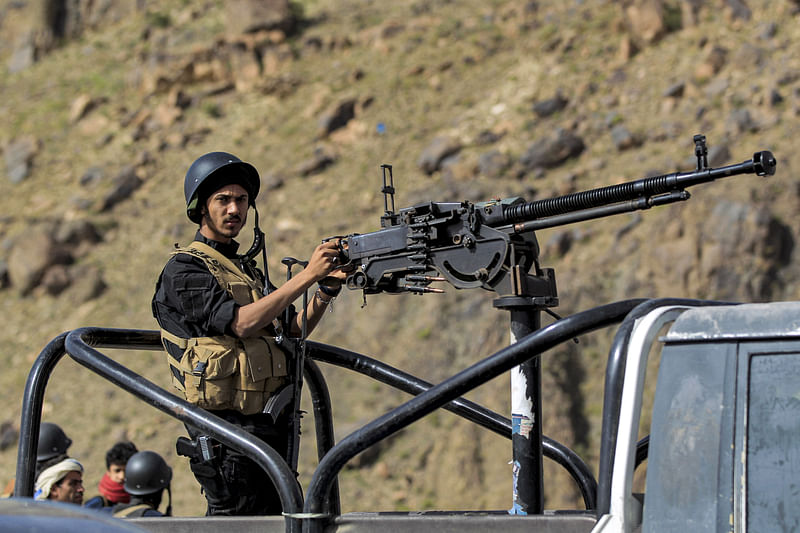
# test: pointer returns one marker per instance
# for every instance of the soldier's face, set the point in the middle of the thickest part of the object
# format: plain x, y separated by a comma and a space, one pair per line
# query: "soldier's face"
225, 213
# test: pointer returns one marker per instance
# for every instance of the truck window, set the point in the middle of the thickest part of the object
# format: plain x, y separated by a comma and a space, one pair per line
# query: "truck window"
773, 443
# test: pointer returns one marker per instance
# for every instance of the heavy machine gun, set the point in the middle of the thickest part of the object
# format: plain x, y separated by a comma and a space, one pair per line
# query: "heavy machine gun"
491, 244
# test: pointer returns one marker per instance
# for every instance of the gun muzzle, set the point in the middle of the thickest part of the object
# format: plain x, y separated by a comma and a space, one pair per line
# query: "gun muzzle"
764, 163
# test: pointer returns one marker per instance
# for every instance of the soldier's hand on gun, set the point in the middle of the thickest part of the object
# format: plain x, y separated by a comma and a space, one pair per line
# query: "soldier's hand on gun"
325, 263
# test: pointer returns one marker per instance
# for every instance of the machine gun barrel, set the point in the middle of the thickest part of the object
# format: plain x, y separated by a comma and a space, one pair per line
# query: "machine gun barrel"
763, 164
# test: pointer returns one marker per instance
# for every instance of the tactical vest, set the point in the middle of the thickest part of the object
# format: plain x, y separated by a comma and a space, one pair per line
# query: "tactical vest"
226, 372
133, 511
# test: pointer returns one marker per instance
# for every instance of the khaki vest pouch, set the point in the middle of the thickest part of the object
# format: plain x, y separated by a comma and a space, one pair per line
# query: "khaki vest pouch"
241, 292
210, 369
256, 363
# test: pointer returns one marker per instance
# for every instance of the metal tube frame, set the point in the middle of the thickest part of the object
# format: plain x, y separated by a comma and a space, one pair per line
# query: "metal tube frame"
78, 344
323, 424
443, 393
486, 418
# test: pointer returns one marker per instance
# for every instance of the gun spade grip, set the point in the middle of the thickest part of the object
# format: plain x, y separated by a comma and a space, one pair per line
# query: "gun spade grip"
764, 163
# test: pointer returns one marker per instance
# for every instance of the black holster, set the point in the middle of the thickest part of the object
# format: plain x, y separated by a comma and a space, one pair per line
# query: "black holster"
203, 450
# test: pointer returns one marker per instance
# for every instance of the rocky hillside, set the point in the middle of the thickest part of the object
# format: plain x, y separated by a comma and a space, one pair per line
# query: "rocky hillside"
105, 104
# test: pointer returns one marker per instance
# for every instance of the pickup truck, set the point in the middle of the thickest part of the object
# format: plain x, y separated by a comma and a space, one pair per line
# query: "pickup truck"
722, 452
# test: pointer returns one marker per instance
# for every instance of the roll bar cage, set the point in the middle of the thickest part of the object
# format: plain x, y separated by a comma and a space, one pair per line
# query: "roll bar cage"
322, 501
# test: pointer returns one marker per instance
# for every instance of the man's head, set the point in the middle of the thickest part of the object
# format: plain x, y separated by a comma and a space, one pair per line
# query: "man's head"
62, 482
116, 459
53, 442
212, 171
69, 489
225, 212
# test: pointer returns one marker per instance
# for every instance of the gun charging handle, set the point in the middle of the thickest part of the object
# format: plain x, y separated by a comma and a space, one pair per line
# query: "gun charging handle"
341, 248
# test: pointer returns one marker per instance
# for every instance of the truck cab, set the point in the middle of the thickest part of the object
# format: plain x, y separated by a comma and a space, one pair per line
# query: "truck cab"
723, 448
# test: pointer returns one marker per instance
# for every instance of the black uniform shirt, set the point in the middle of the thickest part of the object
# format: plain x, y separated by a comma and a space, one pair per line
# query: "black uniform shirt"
189, 301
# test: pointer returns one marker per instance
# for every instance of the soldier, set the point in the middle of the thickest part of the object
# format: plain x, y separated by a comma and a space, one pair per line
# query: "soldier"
112, 490
52, 449
146, 477
53, 446
222, 334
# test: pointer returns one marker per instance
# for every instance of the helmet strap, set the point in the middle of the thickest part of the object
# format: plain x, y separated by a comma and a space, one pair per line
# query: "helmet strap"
259, 245
169, 501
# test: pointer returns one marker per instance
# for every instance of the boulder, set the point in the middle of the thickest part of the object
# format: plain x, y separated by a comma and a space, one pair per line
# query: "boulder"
456, 169
321, 159
23, 55
337, 116
550, 106
552, 151
55, 279
249, 16
245, 68
86, 283
645, 21
82, 106
92, 176
741, 121
8, 435
623, 138
675, 90
493, 164
19, 155
439, 148
4, 281
51, 23
714, 59
741, 248
78, 236
31, 256
125, 184
738, 10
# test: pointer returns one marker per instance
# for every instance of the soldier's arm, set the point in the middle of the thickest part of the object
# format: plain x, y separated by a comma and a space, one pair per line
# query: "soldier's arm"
249, 319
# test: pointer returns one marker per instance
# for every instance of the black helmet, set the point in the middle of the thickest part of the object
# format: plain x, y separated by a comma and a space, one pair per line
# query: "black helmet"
146, 473
52, 442
211, 164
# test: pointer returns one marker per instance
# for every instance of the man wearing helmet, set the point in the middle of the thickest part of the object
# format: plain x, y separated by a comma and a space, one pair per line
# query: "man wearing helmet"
222, 326
146, 477
52, 449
